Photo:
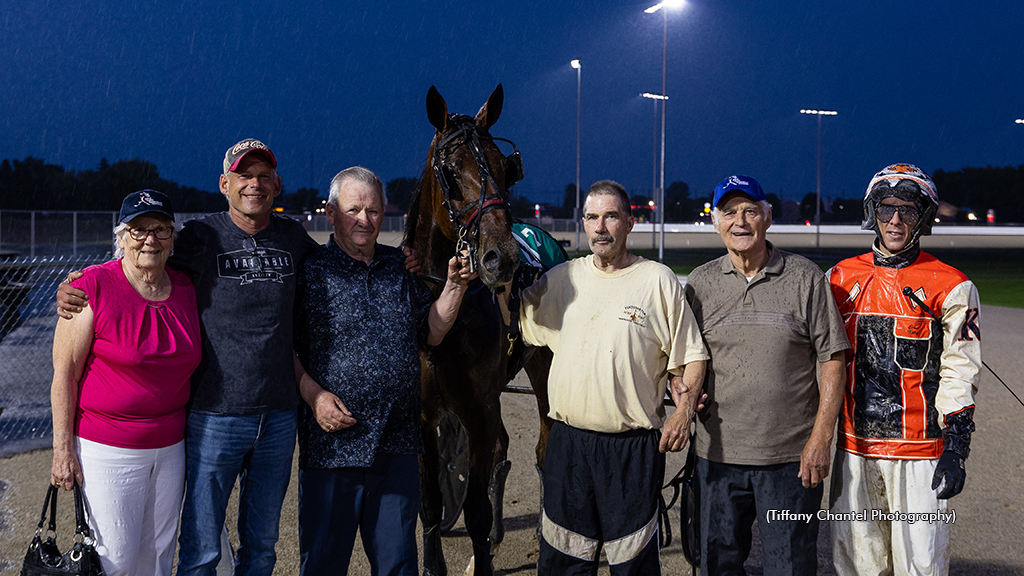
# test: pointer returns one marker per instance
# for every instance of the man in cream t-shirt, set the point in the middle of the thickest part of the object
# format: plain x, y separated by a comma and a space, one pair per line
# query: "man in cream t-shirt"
619, 328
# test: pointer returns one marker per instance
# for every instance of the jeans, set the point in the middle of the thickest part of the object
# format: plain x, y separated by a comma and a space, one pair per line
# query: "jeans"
381, 500
257, 450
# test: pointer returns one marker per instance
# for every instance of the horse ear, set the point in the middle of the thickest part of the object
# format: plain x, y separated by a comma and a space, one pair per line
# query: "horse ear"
437, 109
489, 112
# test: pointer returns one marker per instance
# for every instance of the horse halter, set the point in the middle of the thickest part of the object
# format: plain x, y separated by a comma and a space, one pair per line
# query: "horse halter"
466, 134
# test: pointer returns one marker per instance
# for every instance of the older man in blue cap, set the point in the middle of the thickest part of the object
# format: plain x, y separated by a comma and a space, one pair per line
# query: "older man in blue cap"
763, 442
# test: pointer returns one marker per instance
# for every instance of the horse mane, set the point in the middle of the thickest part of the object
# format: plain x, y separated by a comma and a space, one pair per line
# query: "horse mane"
414, 204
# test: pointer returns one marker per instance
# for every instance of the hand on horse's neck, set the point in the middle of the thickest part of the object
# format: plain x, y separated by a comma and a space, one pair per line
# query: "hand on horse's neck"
618, 262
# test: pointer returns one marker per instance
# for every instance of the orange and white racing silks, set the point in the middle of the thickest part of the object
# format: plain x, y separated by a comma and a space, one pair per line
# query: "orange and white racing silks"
908, 371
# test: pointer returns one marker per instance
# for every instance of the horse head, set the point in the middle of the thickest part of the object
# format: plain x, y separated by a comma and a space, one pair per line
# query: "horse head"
470, 178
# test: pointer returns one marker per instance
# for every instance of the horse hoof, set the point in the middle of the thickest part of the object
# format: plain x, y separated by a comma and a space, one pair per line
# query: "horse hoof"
471, 568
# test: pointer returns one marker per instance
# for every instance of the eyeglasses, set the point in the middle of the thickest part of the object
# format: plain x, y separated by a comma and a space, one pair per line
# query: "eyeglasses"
160, 232
908, 214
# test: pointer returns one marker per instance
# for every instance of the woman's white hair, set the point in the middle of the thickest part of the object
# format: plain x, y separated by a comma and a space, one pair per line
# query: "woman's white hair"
121, 229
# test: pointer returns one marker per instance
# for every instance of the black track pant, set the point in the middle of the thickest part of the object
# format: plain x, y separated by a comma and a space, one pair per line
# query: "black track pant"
731, 496
601, 490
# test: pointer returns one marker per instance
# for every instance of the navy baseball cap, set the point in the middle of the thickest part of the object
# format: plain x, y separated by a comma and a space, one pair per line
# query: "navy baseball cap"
145, 202
738, 183
235, 154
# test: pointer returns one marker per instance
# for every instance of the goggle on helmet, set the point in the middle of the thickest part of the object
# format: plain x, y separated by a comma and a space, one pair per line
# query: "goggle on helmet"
906, 182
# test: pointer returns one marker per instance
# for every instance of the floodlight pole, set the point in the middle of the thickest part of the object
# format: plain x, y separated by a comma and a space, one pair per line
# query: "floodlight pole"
577, 216
659, 203
654, 176
817, 203
661, 188
660, 199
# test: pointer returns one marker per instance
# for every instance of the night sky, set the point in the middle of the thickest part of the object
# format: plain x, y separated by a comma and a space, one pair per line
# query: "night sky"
330, 84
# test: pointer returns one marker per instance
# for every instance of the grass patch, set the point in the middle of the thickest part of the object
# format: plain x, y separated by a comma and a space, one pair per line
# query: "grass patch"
998, 273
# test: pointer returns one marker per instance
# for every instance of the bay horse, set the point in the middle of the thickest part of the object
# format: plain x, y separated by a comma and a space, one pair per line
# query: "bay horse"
462, 205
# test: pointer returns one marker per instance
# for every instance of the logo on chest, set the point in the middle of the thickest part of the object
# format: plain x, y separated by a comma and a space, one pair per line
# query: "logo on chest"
257, 265
634, 315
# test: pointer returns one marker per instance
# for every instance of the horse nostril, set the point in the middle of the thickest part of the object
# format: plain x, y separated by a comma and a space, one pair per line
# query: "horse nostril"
491, 260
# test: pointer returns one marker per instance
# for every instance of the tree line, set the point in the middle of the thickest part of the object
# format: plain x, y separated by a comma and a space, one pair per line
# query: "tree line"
32, 184
965, 196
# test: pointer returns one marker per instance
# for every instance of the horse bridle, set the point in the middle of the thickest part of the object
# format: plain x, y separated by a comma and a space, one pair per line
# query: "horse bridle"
466, 134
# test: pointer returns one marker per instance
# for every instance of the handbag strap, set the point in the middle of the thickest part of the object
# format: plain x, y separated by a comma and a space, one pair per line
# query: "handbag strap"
49, 503
82, 526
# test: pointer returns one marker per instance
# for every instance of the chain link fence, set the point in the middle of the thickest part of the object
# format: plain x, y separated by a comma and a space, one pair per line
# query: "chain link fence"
36, 233
37, 250
27, 318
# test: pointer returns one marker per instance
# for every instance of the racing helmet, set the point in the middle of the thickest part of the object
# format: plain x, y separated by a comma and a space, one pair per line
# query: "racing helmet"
906, 182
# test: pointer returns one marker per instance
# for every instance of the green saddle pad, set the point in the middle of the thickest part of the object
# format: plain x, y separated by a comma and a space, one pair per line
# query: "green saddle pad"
537, 247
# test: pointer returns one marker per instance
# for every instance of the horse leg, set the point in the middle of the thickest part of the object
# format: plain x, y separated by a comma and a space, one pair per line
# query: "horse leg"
537, 366
430, 510
496, 489
430, 489
483, 434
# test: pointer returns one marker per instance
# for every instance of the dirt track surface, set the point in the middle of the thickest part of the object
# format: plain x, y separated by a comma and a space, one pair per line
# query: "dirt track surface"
986, 537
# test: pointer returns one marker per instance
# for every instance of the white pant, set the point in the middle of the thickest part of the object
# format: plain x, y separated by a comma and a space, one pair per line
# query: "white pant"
880, 546
133, 498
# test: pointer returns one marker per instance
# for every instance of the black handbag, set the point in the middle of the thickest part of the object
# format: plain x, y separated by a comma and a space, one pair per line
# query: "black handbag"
44, 558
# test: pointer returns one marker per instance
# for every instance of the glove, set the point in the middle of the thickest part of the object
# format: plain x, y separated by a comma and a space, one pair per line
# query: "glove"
950, 472
951, 468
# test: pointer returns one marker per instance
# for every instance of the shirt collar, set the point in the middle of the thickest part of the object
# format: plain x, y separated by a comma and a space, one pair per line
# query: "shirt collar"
380, 255
901, 259
773, 266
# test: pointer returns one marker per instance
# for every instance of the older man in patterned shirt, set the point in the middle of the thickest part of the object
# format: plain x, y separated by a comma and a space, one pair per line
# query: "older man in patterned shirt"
360, 321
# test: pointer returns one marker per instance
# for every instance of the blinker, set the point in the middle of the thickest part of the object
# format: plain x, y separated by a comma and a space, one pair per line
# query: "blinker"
513, 168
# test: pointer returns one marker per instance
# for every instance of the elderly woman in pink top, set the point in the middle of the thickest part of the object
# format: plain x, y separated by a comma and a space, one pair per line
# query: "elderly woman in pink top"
121, 373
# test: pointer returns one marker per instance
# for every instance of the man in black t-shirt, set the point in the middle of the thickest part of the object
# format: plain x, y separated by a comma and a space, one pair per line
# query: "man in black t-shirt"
242, 423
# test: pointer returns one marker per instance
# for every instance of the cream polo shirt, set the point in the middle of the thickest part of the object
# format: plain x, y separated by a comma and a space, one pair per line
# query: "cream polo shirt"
615, 337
